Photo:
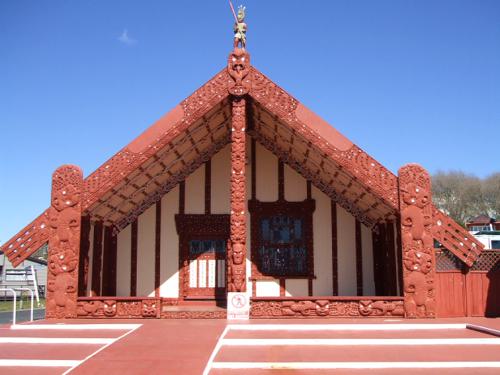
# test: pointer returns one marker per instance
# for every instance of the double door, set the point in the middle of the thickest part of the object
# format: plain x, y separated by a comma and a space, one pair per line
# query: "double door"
202, 255
205, 268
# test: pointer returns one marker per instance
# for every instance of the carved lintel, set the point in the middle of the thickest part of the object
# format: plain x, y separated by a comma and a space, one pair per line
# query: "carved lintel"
417, 241
237, 249
64, 242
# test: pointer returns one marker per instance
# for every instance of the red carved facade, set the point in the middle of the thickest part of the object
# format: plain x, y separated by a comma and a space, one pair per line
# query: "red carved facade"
64, 242
242, 88
417, 241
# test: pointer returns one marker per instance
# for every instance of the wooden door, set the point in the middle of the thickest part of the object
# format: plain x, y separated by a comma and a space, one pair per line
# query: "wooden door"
205, 268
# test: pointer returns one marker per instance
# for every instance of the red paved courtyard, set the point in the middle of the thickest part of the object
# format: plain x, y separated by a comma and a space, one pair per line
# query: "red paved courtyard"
257, 347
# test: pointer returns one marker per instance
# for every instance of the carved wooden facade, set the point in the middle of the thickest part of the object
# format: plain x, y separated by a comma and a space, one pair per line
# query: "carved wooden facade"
237, 104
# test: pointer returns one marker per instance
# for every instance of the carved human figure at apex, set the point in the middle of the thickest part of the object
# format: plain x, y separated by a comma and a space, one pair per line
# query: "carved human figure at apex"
240, 28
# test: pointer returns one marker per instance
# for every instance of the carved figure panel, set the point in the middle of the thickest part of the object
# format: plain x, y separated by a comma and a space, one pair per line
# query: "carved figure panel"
64, 242
236, 274
324, 308
417, 241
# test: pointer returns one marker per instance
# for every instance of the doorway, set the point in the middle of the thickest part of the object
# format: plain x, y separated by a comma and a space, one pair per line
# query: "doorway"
203, 241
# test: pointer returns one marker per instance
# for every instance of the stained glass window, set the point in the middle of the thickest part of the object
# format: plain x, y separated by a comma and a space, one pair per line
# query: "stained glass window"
205, 247
282, 248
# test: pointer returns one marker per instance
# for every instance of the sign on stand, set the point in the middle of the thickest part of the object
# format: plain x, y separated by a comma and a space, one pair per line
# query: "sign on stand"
238, 306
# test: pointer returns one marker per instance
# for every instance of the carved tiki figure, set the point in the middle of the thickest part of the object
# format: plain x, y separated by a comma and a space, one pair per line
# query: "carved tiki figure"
416, 227
64, 242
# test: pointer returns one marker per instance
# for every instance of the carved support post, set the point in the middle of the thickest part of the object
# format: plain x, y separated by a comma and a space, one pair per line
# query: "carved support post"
64, 242
417, 241
237, 251
238, 67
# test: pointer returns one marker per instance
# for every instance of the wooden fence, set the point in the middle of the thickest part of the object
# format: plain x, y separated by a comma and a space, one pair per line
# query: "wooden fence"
464, 291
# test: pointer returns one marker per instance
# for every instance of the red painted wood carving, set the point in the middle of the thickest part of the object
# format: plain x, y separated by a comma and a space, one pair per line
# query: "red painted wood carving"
236, 264
118, 307
238, 67
64, 242
417, 241
334, 307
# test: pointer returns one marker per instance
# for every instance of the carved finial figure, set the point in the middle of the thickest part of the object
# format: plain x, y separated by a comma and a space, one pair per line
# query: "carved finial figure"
240, 27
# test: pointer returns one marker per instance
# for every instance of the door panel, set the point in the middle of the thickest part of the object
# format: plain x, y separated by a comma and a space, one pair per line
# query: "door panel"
205, 267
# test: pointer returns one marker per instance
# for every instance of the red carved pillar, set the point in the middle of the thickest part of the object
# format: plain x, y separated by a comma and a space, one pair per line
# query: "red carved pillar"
237, 251
417, 241
238, 68
64, 242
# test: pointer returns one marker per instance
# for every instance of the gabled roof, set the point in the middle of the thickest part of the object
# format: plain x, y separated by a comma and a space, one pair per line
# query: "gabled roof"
176, 145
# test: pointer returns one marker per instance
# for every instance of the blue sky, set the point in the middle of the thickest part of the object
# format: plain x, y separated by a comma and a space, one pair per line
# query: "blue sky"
407, 81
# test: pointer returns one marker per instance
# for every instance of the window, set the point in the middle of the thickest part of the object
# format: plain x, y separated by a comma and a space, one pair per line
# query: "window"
495, 244
282, 243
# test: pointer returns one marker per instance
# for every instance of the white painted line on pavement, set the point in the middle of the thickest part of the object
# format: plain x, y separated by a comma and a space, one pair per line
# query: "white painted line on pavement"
135, 326
215, 351
350, 365
37, 363
359, 342
75, 326
344, 327
55, 340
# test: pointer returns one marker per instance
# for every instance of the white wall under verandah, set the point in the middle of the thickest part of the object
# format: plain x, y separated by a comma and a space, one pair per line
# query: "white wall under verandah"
266, 190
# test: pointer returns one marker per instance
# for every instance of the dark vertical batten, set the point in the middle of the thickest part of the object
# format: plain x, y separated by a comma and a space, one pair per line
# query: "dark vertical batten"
109, 263
83, 266
281, 180
208, 187
335, 280
359, 260
97, 259
182, 197
254, 169
133, 259
157, 248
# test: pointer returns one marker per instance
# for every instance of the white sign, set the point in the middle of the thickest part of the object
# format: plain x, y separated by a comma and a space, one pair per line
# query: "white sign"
238, 306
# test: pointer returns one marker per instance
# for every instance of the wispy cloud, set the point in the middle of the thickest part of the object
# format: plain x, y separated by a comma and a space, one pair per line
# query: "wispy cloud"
125, 39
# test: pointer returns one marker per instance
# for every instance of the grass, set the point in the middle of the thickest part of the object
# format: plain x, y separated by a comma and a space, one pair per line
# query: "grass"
7, 305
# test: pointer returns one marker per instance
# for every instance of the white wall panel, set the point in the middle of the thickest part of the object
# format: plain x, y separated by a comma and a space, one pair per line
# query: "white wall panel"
267, 175
322, 237
346, 235
267, 288
296, 288
295, 185
221, 185
146, 252
123, 262
368, 281
169, 246
195, 192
